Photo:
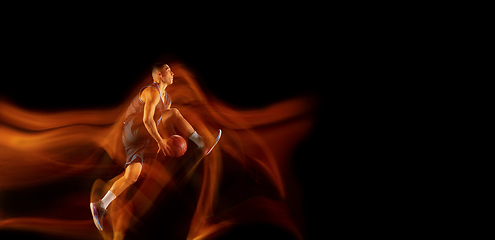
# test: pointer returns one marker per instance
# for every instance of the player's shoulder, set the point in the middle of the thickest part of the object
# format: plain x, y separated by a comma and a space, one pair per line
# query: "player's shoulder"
150, 93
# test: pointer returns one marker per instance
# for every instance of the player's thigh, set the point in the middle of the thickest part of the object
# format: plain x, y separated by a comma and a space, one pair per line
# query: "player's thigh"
170, 115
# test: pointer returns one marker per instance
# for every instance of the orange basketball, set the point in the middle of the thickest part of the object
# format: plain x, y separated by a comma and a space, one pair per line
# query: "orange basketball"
178, 145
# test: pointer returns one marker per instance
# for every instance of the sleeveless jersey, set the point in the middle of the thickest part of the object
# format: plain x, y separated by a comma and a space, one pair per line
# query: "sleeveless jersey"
137, 141
135, 110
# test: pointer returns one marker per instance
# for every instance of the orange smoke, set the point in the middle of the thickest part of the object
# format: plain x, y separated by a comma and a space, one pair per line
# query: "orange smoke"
39, 149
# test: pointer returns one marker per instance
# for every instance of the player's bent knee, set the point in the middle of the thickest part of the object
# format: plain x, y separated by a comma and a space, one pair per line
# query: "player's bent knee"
175, 112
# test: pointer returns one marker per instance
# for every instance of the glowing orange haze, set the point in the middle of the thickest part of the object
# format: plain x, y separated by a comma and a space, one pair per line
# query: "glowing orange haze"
38, 148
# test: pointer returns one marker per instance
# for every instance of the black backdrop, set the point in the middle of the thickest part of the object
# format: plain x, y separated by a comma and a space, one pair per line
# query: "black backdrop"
249, 66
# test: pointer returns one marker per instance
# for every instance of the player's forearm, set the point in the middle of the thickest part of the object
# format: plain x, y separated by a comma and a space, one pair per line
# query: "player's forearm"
153, 130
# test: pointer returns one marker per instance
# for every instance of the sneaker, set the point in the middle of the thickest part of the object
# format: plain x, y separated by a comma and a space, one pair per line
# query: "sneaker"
98, 213
209, 149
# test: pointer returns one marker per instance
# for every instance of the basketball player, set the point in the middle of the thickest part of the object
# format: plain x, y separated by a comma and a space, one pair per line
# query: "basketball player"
150, 107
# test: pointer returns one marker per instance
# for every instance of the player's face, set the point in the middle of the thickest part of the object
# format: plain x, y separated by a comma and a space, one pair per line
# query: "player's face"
167, 75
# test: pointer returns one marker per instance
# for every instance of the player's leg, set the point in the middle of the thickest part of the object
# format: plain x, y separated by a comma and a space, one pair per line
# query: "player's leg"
173, 116
131, 175
99, 208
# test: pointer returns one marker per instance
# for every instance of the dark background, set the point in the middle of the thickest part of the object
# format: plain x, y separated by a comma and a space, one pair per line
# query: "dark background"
270, 58
48, 66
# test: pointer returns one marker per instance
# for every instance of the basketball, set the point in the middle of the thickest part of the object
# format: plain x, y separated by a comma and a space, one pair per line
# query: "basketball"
178, 145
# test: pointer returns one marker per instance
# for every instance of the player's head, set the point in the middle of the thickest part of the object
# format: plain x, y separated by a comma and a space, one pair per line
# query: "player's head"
161, 72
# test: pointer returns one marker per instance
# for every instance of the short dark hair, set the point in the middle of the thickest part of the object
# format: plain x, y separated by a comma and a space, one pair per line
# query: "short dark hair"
157, 66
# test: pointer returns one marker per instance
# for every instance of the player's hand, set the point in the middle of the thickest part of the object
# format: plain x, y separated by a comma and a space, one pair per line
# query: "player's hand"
163, 146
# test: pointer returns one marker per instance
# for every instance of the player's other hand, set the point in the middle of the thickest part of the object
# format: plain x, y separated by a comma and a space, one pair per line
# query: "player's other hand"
163, 146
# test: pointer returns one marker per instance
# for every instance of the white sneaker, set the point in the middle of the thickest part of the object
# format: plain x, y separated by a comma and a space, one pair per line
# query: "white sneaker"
208, 150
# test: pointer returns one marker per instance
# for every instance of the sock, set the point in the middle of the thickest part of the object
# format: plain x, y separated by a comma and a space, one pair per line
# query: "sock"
197, 139
107, 199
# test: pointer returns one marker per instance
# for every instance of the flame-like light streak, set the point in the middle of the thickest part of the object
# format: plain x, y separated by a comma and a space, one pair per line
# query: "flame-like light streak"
38, 148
